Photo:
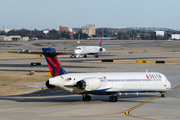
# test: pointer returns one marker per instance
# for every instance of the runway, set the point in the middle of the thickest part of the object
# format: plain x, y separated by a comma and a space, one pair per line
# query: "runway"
47, 104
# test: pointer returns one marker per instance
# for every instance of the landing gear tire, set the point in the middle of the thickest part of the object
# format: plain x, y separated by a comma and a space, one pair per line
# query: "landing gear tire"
72, 56
162, 94
113, 99
86, 98
85, 56
96, 56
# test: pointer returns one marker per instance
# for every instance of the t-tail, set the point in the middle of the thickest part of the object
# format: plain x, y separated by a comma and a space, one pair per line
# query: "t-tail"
100, 42
53, 62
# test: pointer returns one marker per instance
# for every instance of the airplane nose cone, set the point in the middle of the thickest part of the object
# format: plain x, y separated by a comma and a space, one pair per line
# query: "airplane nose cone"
77, 51
168, 85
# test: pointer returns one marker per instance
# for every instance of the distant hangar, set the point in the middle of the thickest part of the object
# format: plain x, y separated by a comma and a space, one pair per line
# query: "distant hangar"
150, 28
175, 36
13, 38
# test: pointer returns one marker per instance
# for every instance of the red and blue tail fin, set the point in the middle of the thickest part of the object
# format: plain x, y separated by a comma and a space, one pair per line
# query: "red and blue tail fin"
100, 42
53, 62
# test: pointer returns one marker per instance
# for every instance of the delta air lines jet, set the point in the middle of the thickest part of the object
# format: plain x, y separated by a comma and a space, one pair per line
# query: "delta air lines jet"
105, 83
80, 51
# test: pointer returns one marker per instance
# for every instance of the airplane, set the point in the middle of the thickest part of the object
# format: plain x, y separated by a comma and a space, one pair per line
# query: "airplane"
80, 51
103, 38
105, 83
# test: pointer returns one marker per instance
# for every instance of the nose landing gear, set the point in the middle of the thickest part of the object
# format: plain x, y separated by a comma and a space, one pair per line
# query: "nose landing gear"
162, 94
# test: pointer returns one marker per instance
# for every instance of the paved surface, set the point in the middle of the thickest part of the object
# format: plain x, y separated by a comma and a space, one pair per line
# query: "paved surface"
46, 104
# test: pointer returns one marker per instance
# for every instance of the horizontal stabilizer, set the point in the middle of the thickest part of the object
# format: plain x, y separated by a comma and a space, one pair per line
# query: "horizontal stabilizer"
55, 53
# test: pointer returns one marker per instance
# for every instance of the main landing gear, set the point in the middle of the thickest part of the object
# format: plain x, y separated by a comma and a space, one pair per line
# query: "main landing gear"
96, 55
85, 56
113, 98
86, 97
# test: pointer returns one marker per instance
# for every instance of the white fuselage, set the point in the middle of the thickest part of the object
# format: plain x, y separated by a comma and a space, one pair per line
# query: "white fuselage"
112, 82
83, 50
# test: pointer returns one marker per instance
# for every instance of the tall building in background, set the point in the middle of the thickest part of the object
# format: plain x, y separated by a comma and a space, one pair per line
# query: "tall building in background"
89, 29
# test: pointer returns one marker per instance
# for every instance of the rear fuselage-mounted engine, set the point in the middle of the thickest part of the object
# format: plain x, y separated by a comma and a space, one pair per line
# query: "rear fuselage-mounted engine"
89, 84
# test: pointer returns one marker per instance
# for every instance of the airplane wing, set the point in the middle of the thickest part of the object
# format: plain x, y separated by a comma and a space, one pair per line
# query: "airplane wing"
27, 86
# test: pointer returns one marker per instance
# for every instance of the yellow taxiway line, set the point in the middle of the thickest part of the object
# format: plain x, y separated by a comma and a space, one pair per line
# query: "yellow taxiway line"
127, 111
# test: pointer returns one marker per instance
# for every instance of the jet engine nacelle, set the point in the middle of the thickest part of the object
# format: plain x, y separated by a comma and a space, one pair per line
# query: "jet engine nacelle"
102, 49
89, 84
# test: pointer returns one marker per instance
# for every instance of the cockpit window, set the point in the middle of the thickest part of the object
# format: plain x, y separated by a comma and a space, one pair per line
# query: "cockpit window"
78, 48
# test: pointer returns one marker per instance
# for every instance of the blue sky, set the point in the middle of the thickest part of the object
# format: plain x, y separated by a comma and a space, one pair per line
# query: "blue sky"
42, 14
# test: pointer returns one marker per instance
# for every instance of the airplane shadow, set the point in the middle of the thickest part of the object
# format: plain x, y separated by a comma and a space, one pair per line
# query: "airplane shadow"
62, 96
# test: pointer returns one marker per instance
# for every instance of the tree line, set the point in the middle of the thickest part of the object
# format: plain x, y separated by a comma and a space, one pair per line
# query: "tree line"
127, 34
105, 32
53, 34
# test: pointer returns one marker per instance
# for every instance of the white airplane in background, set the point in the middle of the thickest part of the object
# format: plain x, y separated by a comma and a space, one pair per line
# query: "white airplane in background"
103, 38
106, 83
80, 51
